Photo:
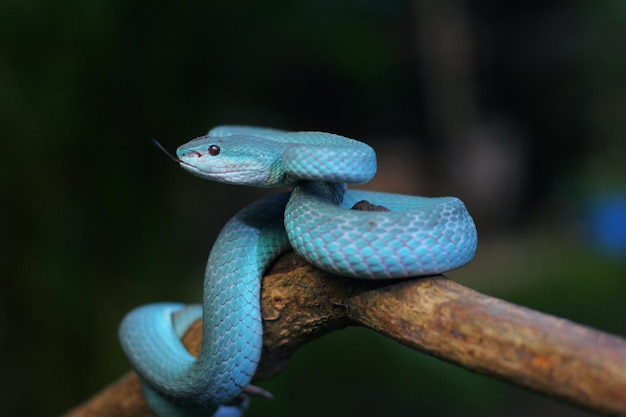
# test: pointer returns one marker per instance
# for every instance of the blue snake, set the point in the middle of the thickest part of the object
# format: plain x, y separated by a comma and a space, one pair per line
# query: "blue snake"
419, 236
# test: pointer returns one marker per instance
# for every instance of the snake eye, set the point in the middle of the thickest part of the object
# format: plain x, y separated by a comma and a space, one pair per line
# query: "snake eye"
214, 150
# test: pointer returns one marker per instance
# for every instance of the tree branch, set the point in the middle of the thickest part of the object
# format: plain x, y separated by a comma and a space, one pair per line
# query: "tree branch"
434, 315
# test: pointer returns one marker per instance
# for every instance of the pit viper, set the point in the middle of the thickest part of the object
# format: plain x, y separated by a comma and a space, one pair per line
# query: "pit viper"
418, 236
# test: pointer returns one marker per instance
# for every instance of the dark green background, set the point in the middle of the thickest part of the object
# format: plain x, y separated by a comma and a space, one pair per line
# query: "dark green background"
517, 108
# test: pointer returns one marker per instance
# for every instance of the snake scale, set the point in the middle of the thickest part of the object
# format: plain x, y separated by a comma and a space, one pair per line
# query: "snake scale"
419, 236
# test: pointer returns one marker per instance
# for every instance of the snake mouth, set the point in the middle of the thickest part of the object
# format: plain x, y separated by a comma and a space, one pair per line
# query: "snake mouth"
184, 164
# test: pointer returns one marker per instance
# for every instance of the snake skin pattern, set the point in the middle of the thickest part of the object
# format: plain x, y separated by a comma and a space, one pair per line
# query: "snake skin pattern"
419, 236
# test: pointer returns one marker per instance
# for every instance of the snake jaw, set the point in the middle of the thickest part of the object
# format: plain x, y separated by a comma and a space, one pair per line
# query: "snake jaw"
207, 167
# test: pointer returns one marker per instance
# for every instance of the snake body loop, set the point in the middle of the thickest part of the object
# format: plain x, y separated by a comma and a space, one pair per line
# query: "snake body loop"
419, 236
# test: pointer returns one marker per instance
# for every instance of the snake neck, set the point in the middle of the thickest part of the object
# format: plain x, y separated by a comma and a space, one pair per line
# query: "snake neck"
329, 192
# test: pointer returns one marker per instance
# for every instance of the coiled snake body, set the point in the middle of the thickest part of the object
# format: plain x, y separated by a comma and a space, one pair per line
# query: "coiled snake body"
419, 236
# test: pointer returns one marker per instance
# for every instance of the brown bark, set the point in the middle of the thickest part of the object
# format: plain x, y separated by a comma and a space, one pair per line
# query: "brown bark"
434, 315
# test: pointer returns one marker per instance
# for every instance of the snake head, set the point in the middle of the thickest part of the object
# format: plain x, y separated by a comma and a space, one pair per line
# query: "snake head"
236, 159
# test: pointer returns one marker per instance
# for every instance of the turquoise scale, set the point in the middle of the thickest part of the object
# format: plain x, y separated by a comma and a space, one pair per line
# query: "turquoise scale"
419, 236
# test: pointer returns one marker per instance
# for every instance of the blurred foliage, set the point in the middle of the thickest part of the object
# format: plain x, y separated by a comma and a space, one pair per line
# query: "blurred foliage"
96, 221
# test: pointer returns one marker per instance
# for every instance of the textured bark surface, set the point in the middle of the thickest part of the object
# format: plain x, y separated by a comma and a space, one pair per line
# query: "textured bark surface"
434, 315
